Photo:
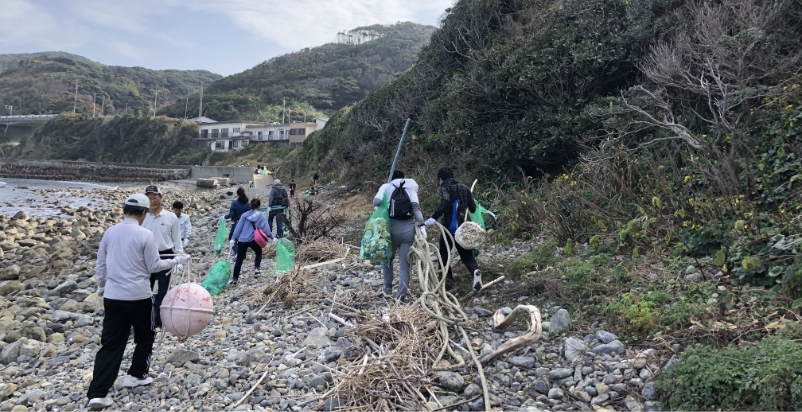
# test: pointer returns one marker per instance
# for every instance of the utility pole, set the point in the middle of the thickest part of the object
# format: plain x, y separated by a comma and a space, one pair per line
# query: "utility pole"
75, 101
94, 96
126, 108
200, 112
155, 100
284, 110
103, 106
186, 106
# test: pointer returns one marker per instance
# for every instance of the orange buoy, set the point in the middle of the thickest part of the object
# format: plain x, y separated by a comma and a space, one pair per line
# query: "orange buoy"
186, 310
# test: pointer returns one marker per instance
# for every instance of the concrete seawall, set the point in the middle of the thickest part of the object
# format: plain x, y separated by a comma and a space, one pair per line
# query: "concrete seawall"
238, 175
96, 172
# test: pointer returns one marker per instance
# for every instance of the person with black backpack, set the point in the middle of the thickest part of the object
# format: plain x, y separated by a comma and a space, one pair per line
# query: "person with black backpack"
405, 215
278, 201
455, 197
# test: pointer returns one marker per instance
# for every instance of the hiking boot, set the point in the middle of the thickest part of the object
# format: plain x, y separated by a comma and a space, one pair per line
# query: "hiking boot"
477, 280
97, 404
132, 382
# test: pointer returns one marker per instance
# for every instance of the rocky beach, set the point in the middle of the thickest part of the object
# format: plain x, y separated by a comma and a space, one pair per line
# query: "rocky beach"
50, 323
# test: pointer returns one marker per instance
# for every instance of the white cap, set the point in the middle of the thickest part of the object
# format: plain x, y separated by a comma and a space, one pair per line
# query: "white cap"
138, 199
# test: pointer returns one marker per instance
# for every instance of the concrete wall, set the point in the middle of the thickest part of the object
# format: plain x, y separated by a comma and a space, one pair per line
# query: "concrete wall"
238, 175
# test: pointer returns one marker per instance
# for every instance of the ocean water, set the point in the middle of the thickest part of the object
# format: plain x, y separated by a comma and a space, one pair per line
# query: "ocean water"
19, 194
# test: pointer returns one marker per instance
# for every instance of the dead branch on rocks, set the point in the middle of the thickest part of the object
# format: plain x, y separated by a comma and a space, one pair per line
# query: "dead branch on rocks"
501, 322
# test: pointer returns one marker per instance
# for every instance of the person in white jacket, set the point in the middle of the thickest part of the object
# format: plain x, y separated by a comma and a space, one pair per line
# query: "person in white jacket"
126, 258
183, 223
405, 215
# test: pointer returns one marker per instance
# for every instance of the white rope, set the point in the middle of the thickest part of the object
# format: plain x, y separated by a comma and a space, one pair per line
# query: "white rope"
445, 306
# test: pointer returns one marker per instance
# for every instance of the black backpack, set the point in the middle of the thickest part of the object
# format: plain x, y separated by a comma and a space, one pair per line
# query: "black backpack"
280, 198
400, 205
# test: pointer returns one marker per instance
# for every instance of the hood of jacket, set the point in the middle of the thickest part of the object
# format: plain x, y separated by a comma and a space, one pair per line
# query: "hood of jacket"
253, 215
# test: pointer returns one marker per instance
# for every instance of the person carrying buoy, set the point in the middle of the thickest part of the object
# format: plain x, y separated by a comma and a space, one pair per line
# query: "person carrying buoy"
126, 258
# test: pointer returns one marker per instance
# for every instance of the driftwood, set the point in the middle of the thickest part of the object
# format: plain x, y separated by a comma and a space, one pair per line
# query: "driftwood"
501, 322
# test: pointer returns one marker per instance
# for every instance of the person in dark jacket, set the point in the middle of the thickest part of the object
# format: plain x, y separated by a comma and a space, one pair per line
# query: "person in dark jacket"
244, 236
238, 207
277, 202
455, 197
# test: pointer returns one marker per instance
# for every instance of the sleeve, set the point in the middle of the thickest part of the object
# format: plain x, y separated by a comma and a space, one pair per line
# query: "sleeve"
232, 211
188, 229
238, 229
377, 200
262, 224
445, 202
471, 202
272, 195
152, 260
417, 213
100, 274
175, 231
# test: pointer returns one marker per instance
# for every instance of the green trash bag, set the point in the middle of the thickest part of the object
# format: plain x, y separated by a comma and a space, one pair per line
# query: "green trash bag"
477, 217
218, 277
221, 238
285, 256
376, 241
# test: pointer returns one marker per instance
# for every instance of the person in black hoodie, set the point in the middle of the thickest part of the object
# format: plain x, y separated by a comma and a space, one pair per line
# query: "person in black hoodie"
455, 197
238, 207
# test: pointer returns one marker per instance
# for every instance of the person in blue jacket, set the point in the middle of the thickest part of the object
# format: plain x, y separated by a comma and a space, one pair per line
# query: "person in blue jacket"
243, 237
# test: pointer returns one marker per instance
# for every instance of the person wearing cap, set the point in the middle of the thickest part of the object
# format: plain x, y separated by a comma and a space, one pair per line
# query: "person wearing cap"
167, 232
126, 258
277, 202
183, 223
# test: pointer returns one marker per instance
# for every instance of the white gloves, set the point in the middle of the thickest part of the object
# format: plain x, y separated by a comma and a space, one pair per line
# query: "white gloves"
430, 221
100, 290
232, 242
423, 231
178, 268
186, 242
180, 260
275, 239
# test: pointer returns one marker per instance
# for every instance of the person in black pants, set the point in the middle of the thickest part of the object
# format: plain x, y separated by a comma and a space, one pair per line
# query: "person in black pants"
244, 238
238, 207
126, 258
455, 197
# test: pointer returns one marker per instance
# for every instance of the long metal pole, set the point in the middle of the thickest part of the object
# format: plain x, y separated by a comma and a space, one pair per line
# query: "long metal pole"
94, 96
186, 106
155, 99
398, 152
200, 112
75, 102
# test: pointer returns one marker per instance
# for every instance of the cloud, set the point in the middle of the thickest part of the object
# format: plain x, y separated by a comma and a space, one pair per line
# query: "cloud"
21, 22
302, 23
127, 50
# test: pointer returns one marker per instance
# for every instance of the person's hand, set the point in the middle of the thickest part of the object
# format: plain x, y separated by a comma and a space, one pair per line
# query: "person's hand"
232, 242
179, 268
181, 259
275, 240
186, 242
100, 290
430, 221
423, 231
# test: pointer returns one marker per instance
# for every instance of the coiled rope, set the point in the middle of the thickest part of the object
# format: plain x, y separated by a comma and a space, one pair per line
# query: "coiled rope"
442, 304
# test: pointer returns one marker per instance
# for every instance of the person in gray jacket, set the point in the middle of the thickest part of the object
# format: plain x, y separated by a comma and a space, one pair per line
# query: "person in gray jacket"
405, 215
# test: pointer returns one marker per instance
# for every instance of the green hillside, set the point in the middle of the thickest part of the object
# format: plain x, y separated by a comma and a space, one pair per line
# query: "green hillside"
39, 83
327, 77
119, 139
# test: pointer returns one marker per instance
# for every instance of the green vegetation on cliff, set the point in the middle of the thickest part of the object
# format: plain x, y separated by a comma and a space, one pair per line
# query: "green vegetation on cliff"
39, 83
327, 77
121, 139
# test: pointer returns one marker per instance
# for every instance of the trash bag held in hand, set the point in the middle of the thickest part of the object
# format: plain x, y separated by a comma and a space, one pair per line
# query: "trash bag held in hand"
221, 238
218, 277
376, 241
477, 217
285, 256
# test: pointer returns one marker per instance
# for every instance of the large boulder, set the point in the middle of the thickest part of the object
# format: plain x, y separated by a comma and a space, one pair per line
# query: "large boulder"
10, 273
92, 303
65, 288
560, 322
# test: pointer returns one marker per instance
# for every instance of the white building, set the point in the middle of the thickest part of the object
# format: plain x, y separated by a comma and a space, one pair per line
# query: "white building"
237, 134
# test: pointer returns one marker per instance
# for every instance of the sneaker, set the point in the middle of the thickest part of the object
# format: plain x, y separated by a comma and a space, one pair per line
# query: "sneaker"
97, 404
132, 382
477, 280
257, 271
387, 294
233, 281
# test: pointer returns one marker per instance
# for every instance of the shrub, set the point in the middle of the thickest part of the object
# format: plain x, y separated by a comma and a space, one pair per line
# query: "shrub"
765, 376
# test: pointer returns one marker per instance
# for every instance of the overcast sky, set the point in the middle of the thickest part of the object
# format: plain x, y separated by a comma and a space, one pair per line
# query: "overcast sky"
223, 36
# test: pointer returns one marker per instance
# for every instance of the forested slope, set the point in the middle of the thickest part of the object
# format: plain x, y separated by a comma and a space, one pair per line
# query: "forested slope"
326, 77
39, 83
